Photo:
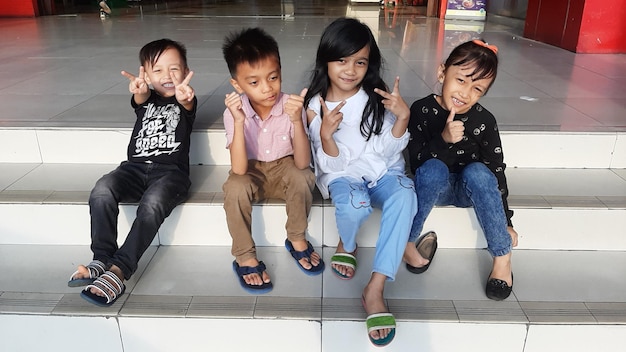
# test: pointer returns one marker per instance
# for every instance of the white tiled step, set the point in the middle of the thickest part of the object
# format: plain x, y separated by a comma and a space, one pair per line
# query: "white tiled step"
554, 209
190, 293
59, 333
204, 224
521, 149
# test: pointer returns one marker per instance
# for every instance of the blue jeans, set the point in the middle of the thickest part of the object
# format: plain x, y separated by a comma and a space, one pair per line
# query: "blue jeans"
394, 194
476, 186
158, 189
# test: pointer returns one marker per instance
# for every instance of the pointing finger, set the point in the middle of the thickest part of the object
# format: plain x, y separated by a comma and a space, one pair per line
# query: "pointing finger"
187, 78
451, 116
130, 76
396, 87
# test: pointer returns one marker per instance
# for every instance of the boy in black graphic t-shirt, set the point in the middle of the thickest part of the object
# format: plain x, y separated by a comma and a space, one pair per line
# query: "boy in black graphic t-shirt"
156, 174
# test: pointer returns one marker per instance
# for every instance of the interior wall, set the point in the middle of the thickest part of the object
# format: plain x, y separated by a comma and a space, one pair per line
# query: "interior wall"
508, 8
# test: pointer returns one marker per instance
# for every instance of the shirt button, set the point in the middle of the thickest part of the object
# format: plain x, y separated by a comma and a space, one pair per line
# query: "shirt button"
265, 130
284, 138
267, 151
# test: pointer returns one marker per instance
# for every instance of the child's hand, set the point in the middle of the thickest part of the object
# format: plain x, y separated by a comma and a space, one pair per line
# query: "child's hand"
234, 105
453, 132
293, 106
184, 92
330, 119
138, 83
393, 101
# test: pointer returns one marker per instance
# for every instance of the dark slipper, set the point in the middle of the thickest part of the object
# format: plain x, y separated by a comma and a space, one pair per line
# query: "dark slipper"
242, 271
426, 246
110, 289
297, 255
497, 289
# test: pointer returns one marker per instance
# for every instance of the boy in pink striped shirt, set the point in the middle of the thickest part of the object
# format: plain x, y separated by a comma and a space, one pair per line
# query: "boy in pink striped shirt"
270, 155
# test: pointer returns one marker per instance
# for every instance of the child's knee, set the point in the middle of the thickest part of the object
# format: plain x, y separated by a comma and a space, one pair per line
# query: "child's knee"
237, 186
300, 180
433, 173
478, 175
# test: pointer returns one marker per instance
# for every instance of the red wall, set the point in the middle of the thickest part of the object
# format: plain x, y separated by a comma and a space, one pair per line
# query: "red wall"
582, 26
603, 27
18, 8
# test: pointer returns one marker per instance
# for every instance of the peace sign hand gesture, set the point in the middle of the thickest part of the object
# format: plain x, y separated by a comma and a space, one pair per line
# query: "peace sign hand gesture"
393, 101
184, 92
137, 83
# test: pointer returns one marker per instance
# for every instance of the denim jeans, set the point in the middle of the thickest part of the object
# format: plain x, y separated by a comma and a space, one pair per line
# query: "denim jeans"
475, 186
157, 188
395, 196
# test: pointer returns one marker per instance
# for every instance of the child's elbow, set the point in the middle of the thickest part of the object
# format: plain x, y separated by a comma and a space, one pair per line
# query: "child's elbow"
239, 170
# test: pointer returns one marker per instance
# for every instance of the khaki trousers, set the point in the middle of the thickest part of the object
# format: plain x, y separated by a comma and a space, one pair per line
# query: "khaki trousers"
275, 179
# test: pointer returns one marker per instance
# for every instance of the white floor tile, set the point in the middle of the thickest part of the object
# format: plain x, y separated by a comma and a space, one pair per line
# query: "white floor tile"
166, 335
339, 336
583, 338
57, 333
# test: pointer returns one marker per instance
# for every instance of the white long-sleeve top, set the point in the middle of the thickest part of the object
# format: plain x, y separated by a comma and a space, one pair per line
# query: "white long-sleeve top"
358, 158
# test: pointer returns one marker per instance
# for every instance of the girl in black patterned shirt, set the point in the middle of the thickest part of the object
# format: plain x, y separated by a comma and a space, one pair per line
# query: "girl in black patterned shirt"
456, 155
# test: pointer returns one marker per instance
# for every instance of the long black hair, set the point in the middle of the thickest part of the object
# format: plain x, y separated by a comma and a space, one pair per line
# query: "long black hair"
342, 38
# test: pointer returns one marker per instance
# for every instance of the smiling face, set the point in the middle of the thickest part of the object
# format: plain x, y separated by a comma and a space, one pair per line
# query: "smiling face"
459, 90
261, 82
159, 75
346, 74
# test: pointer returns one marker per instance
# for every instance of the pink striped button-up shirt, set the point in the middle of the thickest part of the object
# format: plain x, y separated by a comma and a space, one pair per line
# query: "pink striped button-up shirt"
267, 140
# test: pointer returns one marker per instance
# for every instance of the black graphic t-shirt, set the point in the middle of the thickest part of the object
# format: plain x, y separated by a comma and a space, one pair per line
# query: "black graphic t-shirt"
162, 132
480, 143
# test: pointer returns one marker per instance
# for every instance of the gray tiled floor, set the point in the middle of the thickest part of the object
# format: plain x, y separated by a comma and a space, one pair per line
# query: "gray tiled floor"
64, 70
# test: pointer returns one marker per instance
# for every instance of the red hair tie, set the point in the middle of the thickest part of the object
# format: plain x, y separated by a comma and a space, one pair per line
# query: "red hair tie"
490, 47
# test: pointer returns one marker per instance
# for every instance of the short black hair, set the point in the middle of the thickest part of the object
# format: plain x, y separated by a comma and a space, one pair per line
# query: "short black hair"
249, 45
151, 52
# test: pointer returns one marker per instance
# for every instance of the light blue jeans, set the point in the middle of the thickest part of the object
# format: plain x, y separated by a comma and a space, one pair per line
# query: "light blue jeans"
476, 186
394, 194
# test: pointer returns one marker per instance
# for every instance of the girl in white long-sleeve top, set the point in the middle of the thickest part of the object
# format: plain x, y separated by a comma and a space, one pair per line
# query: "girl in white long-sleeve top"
358, 131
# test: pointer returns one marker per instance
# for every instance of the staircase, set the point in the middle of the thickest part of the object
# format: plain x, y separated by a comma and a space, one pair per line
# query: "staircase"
570, 213
568, 191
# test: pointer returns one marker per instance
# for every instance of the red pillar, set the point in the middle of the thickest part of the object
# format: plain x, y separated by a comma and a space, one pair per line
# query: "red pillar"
18, 8
581, 26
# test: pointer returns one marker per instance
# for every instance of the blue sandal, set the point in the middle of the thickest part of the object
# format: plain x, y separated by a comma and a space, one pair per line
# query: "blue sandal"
242, 271
297, 255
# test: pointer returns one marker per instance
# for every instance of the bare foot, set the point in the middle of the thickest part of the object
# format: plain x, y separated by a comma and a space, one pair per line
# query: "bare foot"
502, 269
81, 273
115, 270
346, 271
412, 256
254, 279
302, 245
374, 302
105, 7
